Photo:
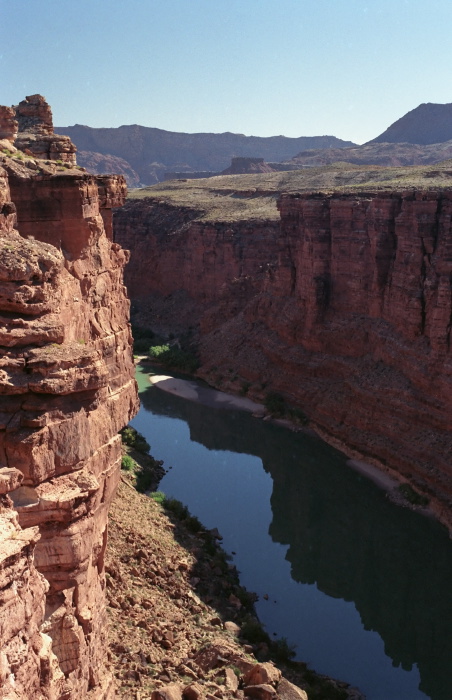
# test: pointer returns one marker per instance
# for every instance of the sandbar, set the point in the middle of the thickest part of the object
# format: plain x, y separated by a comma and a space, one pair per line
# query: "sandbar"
204, 395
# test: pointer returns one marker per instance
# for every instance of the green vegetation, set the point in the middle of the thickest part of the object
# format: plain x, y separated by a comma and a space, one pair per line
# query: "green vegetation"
412, 496
132, 438
253, 632
158, 497
142, 339
282, 650
213, 557
145, 470
275, 403
127, 463
174, 357
245, 387
158, 351
297, 416
179, 510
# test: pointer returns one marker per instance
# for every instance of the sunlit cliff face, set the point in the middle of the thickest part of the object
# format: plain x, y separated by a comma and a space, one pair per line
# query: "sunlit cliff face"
343, 306
66, 379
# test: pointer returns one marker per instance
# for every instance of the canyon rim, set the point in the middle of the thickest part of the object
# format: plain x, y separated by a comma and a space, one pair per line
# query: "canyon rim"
67, 386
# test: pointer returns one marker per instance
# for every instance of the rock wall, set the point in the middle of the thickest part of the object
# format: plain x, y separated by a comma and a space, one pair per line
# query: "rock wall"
67, 386
36, 136
345, 308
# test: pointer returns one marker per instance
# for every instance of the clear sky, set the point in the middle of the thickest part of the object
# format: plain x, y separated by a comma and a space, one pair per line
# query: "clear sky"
258, 67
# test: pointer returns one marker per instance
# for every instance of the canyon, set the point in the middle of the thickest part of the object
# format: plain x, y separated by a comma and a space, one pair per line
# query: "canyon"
67, 387
341, 302
331, 289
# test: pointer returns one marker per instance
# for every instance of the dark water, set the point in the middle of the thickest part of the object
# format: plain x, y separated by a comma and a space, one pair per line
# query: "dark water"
360, 586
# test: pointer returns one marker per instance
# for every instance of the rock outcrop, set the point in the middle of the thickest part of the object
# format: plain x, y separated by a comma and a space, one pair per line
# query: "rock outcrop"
344, 309
67, 387
239, 166
36, 136
8, 125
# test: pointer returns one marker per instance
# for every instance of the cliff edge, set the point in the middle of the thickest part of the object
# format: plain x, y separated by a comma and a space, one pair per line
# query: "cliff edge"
343, 306
67, 386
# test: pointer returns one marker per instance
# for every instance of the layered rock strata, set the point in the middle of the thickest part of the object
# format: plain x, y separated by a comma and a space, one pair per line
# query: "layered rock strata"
8, 125
36, 136
67, 386
345, 308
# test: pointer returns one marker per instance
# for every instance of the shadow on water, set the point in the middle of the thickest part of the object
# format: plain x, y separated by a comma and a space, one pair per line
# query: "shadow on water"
342, 534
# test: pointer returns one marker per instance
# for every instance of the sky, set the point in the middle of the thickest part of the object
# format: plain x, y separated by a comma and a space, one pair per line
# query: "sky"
347, 68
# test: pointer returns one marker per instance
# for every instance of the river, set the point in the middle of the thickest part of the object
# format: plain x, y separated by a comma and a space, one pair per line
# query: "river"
360, 586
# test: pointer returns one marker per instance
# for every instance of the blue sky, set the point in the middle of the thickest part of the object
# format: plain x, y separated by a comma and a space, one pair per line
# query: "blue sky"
258, 67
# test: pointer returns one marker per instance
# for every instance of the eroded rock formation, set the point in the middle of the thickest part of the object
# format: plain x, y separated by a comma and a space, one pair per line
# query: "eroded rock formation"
67, 386
240, 166
36, 135
345, 309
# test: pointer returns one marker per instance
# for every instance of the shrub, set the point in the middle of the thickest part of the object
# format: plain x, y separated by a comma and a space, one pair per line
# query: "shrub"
158, 497
193, 524
412, 496
297, 415
177, 508
128, 463
274, 403
247, 598
172, 356
142, 339
244, 388
157, 351
132, 438
282, 650
253, 631
141, 345
146, 473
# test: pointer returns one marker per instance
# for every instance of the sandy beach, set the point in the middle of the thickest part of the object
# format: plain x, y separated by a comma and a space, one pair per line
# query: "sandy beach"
209, 397
219, 399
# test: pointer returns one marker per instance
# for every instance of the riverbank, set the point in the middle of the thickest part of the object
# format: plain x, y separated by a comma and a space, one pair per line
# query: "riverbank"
179, 621
387, 479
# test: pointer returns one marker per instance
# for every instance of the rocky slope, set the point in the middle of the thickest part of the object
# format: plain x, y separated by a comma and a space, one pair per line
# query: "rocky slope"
343, 306
376, 153
240, 166
151, 152
180, 625
99, 164
427, 123
67, 385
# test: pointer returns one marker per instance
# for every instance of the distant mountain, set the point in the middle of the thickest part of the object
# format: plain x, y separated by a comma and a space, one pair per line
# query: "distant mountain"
428, 123
385, 154
101, 164
150, 151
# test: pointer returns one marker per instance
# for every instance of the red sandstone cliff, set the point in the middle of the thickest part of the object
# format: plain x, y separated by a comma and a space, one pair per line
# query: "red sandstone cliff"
345, 308
67, 386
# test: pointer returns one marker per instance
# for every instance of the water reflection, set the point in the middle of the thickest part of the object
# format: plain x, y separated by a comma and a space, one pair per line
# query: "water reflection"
336, 530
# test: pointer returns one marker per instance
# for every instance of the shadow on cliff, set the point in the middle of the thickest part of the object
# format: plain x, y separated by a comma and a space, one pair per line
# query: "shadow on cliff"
394, 564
